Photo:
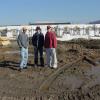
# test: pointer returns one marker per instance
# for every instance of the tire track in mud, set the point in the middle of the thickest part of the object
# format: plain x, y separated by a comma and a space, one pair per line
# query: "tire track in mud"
46, 84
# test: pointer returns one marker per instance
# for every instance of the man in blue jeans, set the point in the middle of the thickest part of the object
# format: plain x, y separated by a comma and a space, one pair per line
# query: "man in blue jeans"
38, 43
23, 42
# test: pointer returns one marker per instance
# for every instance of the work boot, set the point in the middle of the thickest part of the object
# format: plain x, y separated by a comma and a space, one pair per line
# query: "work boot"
20, 69
25, 68
36, 62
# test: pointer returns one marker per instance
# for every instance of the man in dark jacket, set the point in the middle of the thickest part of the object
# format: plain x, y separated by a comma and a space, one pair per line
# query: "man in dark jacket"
38, 42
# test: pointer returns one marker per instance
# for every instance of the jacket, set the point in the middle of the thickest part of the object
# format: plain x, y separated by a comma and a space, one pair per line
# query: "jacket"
23, 40
38, 40
50, 40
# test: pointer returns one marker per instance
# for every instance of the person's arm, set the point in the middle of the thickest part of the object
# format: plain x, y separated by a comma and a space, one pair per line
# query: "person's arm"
27, 41
33, 40
54, 40
42, 40
45, 40
19, 41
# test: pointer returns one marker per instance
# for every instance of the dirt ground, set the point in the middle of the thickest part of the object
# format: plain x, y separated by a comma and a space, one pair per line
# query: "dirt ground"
76, 78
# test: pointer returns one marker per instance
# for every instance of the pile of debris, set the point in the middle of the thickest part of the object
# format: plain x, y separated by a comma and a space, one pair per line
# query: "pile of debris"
4, 41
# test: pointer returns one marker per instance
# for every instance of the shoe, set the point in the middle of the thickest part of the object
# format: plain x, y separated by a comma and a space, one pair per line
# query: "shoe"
55, 66
42, 65
19, 69
25, 68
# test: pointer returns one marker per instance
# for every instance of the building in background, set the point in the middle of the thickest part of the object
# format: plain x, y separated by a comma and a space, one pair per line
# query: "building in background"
64, 31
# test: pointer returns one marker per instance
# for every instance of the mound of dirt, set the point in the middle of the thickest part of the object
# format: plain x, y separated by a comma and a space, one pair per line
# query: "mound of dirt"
76, 78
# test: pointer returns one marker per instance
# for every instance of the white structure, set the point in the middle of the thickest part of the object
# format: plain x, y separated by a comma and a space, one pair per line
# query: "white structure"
64, 31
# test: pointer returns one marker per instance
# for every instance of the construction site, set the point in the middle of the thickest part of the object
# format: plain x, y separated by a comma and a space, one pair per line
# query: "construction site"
76, 78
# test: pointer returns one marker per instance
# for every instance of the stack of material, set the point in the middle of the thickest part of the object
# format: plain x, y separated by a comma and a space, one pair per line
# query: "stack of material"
4, 41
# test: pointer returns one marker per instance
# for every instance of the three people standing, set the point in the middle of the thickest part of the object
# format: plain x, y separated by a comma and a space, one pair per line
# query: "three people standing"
38, 41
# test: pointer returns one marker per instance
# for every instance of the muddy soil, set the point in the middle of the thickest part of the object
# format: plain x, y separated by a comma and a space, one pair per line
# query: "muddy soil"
76, 78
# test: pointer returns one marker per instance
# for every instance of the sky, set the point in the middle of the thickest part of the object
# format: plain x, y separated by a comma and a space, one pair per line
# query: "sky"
15, 12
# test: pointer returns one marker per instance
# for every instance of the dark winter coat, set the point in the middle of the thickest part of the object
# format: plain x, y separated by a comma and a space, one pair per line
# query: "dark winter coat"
38, 40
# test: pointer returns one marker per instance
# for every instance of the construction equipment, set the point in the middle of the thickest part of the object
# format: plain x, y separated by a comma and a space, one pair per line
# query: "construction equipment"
4, 41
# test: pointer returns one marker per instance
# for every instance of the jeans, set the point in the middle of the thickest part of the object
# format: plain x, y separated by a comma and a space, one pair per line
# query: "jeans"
51, 57
40, 51
24, 57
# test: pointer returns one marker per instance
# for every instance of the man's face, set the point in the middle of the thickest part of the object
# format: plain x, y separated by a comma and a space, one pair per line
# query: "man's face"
38, 31
24, 30
49, 30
